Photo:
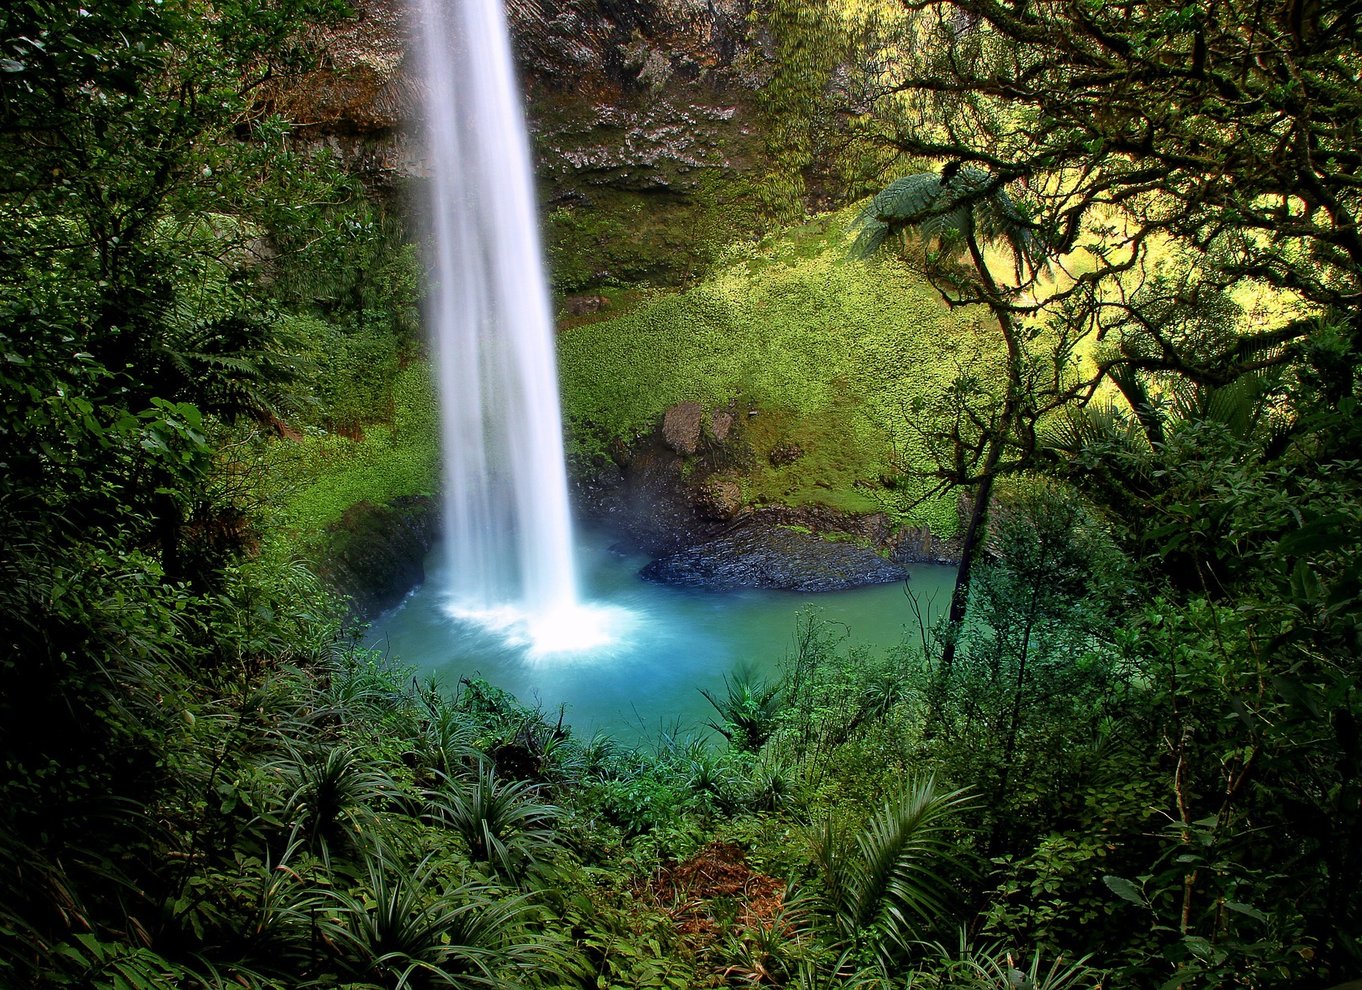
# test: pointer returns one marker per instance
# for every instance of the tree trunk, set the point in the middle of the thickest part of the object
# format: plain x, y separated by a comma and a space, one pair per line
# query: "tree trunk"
976, 531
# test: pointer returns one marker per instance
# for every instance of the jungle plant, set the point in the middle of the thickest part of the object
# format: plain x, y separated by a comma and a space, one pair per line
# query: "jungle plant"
989, 967
833, 695
334, 796
773, 784
747, 709
949, 215
891, 880
446, 743
502, 823
409, 927
1038, 676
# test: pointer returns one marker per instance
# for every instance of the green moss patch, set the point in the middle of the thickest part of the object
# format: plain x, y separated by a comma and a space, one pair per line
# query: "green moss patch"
831, 354
314, 480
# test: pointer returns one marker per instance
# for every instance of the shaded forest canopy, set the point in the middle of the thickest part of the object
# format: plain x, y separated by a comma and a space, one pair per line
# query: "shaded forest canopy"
1137, 767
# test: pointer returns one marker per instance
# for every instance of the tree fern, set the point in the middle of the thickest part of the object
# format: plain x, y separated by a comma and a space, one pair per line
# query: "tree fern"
943, 209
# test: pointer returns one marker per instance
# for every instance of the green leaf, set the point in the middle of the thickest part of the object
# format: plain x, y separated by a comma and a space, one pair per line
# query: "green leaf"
1127, 890
1246, 909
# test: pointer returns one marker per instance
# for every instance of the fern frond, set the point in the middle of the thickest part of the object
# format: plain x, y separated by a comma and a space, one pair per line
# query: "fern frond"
943, 209
907, 200
871, 237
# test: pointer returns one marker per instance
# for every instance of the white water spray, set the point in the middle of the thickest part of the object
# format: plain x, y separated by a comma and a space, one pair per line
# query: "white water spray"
507, 524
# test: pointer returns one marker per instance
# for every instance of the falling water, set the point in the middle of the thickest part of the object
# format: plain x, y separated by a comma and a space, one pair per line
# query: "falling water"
507, 523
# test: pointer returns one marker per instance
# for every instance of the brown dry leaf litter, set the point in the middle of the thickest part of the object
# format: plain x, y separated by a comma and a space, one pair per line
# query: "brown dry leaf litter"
717, 873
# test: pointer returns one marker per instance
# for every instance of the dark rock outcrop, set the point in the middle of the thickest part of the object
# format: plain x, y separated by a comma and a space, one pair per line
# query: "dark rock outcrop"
637, 94
644, 125
641, 498
718, 499
771, 557
686, 511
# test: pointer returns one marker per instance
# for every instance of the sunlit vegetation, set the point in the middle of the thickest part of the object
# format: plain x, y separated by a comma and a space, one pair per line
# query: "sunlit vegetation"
807, 346
313, 477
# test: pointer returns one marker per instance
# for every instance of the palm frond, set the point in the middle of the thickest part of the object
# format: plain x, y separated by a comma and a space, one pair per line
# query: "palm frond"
901, 852
907, 200
870, 237
892, 878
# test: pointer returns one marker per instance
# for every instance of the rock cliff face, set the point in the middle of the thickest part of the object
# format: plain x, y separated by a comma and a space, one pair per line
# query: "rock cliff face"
640, 111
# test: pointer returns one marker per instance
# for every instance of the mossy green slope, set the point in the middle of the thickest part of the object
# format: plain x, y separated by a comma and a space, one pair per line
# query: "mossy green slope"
313, 480
832, 354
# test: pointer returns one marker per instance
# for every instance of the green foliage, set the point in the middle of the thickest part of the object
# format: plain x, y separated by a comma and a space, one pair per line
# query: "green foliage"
334, 796
837, 701
748, 710
808, 40
86, 961
939, 210
621, 238
312, 481
408, 927
502, 823
986, 967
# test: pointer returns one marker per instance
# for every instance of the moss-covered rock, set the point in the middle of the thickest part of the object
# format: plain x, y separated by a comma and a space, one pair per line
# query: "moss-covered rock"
825, 368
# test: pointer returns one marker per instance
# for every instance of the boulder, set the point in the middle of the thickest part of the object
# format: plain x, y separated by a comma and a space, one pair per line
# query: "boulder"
681, 428
718, 499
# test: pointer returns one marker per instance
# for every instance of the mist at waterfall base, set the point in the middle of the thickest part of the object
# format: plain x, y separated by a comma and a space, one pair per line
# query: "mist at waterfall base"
661, 644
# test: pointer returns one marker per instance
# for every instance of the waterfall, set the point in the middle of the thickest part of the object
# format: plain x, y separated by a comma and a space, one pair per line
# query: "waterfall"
507, 524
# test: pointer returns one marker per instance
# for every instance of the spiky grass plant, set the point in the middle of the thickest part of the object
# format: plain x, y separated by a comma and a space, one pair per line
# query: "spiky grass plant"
503, 824
991, 967
447, 742
747, 710
409, 929
334, 796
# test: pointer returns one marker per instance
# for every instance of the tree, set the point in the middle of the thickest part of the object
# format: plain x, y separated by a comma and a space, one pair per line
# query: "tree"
1229, 129
1192, 173
129, 207
129, 333
948, 215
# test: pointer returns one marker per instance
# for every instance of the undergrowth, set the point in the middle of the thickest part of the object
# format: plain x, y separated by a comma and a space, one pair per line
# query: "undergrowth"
312, 480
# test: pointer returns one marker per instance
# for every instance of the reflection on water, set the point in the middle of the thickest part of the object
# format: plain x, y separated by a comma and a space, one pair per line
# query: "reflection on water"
636, 656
